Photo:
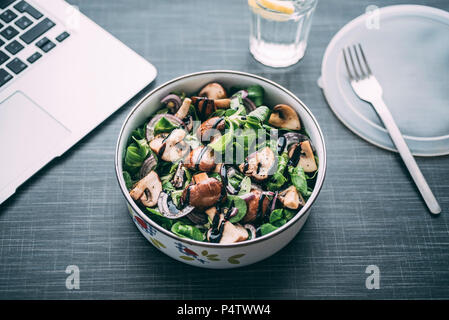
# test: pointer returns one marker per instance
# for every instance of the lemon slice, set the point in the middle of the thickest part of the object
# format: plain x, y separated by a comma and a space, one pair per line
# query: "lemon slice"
268, 13
278, 5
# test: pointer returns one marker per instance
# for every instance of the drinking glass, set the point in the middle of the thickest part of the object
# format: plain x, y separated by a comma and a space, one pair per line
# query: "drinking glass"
279, 30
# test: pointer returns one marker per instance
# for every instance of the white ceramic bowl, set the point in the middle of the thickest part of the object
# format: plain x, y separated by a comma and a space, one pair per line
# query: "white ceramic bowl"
213, 255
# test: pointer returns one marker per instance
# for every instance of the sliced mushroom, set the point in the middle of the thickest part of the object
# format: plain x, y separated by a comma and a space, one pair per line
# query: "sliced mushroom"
169, 210
222, 103
257, 206
201, 158
233, 233
184, 109
303, 151
291, 198
206, 106
225, 232
211, 212
284, 116
210, 129
260, 164
170, 146
147, 189
204, 194
213, 90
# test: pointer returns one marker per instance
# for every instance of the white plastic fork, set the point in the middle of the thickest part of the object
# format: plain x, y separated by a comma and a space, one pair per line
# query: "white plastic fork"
367, 88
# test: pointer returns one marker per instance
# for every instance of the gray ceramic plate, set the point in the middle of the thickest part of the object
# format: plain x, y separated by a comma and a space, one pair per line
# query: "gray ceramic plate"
409, 55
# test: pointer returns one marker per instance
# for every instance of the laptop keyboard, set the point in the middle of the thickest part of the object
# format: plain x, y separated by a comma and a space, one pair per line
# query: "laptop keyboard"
22, 26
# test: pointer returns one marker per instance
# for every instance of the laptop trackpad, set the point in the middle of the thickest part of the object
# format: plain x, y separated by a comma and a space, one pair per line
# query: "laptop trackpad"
28, 135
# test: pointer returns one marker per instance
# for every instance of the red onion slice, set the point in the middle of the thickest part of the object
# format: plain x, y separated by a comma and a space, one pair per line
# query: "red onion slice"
174, 100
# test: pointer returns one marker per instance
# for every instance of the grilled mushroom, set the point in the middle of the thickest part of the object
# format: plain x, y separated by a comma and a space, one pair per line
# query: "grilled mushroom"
259, 165
203, 194
284, 116
257, 206
303, 151
201, 158
291, 198
206, 106
147, 189
170, 146
210, 128
213, 90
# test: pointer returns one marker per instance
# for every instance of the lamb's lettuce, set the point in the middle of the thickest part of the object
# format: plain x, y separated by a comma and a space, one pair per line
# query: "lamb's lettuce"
187, 231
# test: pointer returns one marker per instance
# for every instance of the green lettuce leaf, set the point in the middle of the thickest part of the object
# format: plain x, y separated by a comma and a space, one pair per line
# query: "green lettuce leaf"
187, 231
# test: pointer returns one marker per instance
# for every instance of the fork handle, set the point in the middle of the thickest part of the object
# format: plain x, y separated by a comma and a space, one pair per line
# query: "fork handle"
386, 117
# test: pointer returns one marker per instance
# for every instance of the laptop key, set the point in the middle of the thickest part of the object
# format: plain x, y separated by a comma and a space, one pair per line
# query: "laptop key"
3, 57
16, 65
8, 16
5, 76
23, 22
14, 47
9, 32
35, 56
63, 36
38, 30
23, 6
5, 3
45, 44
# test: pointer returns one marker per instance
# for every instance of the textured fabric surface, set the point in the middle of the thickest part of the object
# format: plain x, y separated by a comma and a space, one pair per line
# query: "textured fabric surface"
369, 212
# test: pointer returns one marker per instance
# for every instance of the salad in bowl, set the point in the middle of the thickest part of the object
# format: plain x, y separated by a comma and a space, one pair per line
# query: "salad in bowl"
220, 165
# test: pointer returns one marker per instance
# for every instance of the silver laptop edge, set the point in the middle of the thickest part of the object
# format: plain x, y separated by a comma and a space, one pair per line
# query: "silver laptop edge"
65, 94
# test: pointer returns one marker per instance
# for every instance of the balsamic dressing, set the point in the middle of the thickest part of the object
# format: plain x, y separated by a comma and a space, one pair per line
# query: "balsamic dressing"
217, 123
282, 143
161, 150
260, 207
217, 228
204, 105
295, 156
245, 166
226, 185
200, 156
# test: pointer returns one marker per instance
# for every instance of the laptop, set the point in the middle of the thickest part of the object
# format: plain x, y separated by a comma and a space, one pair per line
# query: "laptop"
61, 75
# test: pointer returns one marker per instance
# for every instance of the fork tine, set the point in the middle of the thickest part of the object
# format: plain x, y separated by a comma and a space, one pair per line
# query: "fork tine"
364, 59
357, 77
363, 74
347, 65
